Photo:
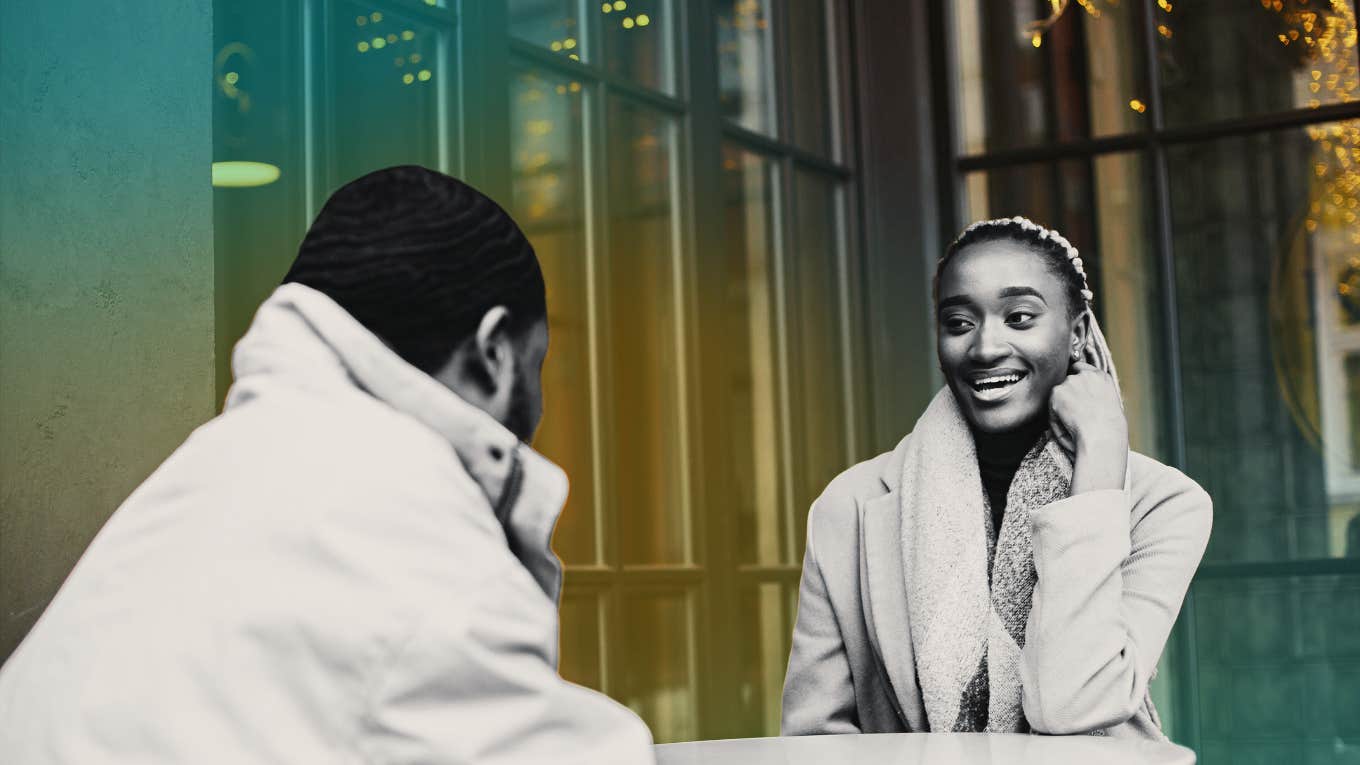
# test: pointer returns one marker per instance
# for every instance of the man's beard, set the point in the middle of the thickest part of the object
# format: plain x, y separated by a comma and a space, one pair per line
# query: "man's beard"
519, 418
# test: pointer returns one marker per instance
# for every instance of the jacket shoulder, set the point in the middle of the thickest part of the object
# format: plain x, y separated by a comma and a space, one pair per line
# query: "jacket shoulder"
1169, 492
835, 512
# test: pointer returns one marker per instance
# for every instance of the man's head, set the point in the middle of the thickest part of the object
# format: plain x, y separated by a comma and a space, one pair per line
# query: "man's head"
444, 276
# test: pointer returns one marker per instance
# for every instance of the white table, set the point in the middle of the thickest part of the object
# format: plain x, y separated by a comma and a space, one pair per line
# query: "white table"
925, 749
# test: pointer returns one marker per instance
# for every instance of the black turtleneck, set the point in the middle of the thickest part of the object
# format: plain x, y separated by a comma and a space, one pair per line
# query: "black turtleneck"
999, 456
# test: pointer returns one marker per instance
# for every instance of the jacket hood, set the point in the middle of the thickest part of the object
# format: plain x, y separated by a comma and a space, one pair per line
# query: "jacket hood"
302, 337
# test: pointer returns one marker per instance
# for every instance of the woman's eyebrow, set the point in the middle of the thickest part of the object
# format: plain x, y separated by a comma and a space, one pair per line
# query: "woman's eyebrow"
954, 300
1018, 291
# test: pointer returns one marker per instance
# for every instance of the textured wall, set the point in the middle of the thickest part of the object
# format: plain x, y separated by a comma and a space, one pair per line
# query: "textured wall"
106, 270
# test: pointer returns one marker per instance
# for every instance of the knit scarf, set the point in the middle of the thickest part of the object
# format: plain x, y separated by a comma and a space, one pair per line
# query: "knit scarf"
969, 586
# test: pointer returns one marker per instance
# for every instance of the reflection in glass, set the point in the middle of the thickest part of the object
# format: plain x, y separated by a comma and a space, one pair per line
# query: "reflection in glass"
637, 41
1222, 59
581, 639
552, 24
1262, 340
748, 348
549, 189
257, 117
1278, 668
1101, 207
656, 677
641, 353
1085, 78
746, 86
390, 75
811, 76
766, 629
820, 409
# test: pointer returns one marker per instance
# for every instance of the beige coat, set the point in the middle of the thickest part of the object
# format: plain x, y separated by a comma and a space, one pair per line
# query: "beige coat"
318, 576
1109, 589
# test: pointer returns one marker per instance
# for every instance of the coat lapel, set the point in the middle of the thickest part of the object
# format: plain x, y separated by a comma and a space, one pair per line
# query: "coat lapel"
885, 598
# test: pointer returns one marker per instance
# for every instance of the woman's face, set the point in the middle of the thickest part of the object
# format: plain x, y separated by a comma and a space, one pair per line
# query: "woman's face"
1005, 338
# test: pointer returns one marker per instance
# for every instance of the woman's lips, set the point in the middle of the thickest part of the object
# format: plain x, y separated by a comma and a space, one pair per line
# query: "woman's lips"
994, 387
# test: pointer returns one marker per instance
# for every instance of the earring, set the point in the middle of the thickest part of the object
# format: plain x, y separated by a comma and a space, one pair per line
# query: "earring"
1076, 354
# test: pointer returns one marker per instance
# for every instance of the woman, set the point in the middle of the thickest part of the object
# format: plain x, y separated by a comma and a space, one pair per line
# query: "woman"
1011, 566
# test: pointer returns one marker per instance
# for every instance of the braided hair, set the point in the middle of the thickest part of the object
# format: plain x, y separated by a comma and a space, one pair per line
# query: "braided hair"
419, 257
1062, 260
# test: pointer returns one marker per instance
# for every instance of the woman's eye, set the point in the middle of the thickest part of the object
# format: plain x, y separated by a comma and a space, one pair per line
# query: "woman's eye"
1020, 317
957, 324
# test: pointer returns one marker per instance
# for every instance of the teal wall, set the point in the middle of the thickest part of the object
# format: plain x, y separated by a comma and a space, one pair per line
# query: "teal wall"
106, 270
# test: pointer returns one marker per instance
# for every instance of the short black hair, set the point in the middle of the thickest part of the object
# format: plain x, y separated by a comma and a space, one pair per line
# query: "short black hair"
419, 257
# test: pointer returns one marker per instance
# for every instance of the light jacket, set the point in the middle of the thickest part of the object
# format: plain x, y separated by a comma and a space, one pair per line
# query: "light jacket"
1113, 567
318, 575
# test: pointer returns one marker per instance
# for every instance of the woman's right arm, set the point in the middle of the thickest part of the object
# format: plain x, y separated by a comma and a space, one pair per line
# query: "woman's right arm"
819, 695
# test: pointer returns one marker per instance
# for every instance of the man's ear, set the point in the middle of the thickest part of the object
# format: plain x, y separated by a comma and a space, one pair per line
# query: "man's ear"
493, 357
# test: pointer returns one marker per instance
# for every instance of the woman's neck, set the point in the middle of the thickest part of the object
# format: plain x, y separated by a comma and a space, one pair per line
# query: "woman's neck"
1010, 447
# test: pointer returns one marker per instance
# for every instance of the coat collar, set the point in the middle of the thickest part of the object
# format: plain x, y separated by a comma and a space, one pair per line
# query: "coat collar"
302, 336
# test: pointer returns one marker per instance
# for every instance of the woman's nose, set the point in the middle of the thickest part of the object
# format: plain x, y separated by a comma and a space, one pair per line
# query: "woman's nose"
988, 344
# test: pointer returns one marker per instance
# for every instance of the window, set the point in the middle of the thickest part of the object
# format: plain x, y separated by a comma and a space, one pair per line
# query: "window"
687, 184
1201, 155
694, 224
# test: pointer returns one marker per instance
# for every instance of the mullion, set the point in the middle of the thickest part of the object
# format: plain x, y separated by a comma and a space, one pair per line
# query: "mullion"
1159, 135
1188, 700
560, 64
762, 144
446, 15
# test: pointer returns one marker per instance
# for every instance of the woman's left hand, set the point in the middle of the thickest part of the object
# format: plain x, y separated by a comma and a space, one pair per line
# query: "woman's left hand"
1088, 420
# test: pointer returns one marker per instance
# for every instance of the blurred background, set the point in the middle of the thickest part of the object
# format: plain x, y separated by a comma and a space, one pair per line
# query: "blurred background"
737, 205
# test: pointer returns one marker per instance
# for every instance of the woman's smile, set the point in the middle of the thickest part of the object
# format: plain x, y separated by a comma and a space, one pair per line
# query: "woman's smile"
996, 385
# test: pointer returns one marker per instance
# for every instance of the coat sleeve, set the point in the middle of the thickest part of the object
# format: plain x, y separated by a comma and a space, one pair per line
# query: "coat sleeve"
1106, 598
819, 694
484, 688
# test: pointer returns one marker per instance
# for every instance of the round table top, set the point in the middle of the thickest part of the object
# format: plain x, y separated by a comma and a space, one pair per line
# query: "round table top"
923, 748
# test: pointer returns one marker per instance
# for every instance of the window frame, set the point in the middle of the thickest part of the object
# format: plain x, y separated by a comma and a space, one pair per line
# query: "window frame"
1152, 143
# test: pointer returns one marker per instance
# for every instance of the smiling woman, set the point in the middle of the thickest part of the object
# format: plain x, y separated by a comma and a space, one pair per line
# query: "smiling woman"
1011, 565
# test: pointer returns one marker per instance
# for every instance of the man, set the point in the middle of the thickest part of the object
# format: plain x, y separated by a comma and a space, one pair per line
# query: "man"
351, 563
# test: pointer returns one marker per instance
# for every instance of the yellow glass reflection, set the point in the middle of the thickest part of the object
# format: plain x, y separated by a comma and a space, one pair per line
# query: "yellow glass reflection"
547, 129
656, 674
644, 369
637, 42
821, 423
552, 24
746, 89
747, 352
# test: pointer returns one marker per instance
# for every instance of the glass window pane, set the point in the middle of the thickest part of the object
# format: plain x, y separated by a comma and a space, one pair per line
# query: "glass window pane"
1265, 230
552, 24
637, 41
746, 352
746, 87
1222, 59
1104, 209
257, 117
1085, 78
811, 76
391, 77
762, 644
819, 413
641, 350
549, 192
1278, 668
655, 675
582, 639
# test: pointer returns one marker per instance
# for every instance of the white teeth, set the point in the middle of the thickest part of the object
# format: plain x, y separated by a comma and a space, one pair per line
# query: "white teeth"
996, 380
